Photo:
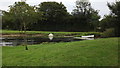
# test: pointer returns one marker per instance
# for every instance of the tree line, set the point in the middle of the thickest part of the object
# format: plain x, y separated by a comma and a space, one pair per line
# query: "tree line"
53, 16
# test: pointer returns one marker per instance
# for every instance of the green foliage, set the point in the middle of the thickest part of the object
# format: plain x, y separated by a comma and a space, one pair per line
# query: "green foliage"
21, 15
7, 21
99, 52
109, 33
107, 22
112, 20
50, 16
55, 16
85, 17
115, 9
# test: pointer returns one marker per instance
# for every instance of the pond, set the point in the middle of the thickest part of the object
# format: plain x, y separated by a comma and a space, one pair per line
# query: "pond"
16, 41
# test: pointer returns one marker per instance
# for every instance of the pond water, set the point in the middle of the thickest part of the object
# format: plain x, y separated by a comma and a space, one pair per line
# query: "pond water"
16, 41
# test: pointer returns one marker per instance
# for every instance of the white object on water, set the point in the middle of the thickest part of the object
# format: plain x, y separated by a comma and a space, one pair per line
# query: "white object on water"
6, 43
89, 36
50, 36
84, 38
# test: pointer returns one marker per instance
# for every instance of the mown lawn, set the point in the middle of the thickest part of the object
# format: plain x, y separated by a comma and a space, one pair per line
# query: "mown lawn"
99, 52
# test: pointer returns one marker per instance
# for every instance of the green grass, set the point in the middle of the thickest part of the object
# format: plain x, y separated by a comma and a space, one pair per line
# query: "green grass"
99, 52
0, 56
55, 33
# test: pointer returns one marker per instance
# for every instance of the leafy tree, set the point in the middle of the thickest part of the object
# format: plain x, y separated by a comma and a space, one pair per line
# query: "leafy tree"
115, 11
7, 21
107, 22
85, 16
114, 7
94, 20
21, 15
54, 14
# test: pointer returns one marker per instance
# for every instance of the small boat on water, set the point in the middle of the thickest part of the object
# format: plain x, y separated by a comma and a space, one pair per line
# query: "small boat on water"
89, 36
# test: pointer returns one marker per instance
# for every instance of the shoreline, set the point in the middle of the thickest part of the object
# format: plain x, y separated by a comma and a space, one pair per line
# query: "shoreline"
20, 35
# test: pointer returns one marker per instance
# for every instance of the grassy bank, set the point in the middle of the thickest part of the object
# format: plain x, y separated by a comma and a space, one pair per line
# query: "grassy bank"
99, 52
44, 33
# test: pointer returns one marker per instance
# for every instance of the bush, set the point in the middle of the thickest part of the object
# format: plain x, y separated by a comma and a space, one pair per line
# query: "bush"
109, 33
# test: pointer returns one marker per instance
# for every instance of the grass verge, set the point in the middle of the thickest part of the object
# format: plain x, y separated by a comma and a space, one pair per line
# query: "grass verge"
45, 33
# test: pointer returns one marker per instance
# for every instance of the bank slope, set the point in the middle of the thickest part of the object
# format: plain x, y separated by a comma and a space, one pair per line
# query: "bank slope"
99, 52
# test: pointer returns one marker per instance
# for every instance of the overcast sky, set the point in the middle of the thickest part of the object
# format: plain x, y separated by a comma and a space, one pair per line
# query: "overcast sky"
70, 4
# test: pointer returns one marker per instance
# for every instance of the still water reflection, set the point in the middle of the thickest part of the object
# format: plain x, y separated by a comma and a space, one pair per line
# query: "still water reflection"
16, 41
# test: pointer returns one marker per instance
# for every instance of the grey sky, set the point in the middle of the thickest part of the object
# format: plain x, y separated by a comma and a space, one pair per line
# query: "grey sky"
70, 4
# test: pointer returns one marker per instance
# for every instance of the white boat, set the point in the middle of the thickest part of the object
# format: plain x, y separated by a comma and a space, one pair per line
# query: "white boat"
84, 38
89, 36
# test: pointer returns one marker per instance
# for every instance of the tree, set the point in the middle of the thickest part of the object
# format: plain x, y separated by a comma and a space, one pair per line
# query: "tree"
55, 15
85, 16
115, 11
107, 22
8, 21
22, 15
